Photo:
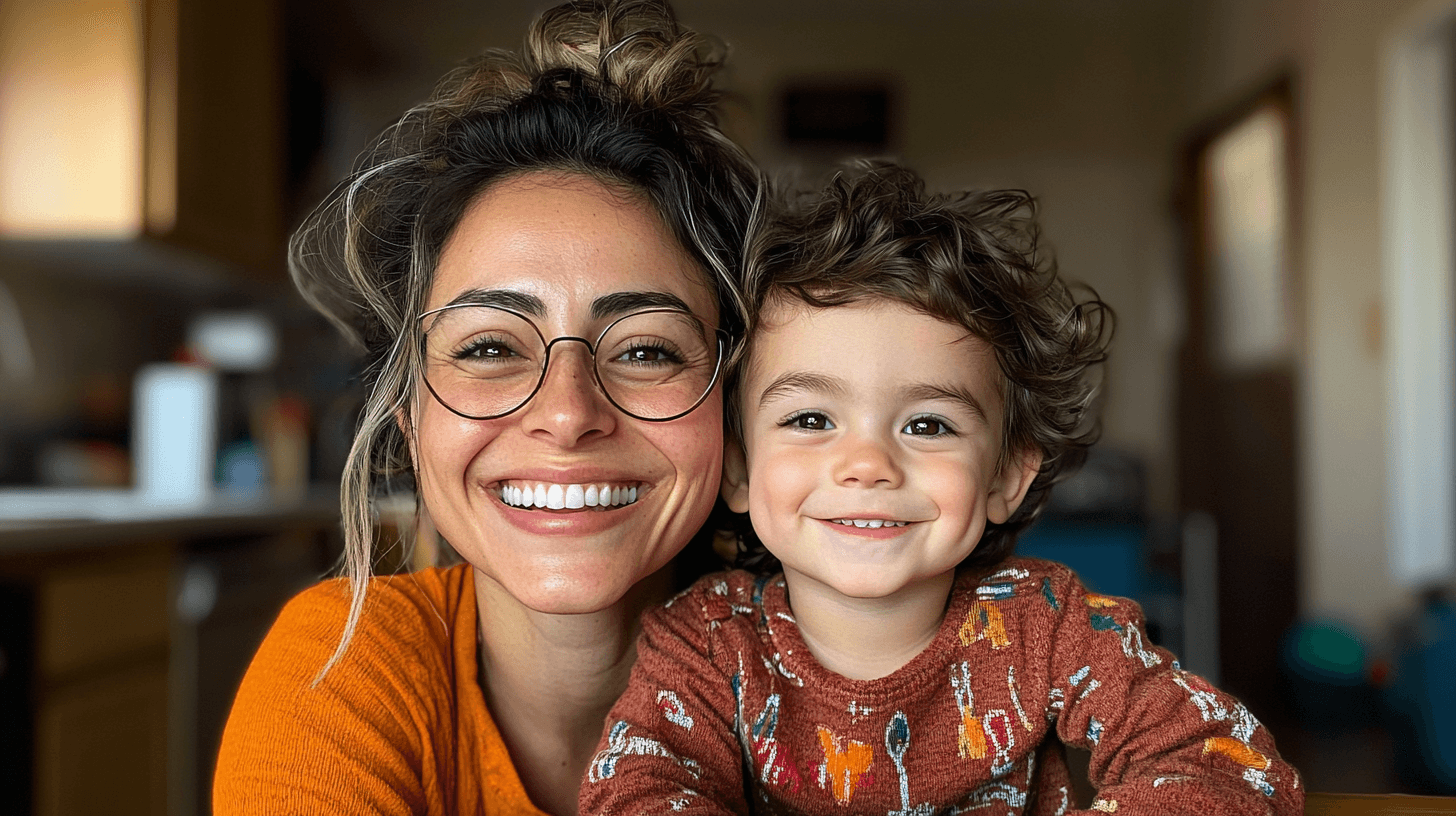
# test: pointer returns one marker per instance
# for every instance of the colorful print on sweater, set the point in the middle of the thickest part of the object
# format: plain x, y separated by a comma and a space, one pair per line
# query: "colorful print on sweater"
728, 712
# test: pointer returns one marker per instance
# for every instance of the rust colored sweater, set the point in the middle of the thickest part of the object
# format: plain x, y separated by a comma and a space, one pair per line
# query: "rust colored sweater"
728, 712
398, 726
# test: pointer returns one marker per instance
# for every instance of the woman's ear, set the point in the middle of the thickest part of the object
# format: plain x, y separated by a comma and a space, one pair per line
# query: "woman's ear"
1012, 484
735, 476
401, 419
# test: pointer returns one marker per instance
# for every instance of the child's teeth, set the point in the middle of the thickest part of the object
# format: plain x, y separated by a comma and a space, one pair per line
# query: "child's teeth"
872, 524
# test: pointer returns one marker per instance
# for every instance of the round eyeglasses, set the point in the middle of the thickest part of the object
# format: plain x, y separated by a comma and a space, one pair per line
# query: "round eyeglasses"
485, 362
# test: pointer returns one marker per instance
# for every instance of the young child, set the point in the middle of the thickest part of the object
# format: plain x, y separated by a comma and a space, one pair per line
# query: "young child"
915, 381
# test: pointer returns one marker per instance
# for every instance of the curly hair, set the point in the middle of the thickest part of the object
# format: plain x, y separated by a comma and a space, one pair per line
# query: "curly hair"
968, 258
615, 90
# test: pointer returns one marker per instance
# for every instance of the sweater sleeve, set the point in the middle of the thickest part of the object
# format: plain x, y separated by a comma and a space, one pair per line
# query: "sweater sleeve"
669, 744
1163, 741
350, 744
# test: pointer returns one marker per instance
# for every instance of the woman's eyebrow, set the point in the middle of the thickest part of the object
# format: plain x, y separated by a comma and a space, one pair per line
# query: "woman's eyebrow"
620, 303
505, 298
955, 393
794, 381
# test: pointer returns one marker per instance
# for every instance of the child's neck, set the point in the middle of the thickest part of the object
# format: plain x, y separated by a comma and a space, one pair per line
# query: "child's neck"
867, 638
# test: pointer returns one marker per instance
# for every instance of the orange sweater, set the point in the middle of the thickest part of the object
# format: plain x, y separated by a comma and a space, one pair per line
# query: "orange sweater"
399, 725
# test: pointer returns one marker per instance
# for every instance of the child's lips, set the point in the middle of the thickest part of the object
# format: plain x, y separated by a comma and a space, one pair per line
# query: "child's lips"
867, 528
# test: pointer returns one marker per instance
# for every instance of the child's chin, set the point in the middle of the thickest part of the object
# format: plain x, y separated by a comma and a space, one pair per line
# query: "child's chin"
867, 587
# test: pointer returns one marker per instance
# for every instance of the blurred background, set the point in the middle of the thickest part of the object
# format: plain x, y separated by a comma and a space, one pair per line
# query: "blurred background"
1262, 189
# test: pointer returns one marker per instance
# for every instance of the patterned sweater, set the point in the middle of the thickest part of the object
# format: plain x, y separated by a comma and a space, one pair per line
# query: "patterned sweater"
727, 712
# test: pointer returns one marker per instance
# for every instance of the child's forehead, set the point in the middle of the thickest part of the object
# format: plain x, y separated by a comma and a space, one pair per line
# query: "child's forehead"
782, 311
867, 333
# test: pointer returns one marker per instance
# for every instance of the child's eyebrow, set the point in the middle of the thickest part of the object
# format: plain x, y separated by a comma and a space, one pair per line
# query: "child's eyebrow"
954, 393
794, 381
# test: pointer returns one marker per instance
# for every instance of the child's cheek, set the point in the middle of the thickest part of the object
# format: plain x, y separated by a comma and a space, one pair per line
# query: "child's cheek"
779, 483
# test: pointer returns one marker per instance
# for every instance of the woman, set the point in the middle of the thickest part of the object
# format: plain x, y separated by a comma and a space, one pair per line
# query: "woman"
539, 261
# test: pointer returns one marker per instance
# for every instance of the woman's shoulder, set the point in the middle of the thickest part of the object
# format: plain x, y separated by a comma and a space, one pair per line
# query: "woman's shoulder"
406, 626
374, 716
425, 601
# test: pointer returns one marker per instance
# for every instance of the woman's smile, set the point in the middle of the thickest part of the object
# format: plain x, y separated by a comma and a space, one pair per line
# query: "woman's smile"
552, 496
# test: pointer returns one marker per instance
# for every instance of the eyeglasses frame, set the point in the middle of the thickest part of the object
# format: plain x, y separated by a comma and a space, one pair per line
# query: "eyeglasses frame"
722, 335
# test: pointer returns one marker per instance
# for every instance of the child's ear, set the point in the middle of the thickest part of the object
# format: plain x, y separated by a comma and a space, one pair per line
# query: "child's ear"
735, 476
1012, 484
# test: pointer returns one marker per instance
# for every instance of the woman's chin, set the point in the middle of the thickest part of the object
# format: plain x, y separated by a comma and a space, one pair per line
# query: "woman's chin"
573, 592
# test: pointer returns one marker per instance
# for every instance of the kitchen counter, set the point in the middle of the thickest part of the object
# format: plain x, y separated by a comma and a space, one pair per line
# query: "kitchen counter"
37, 520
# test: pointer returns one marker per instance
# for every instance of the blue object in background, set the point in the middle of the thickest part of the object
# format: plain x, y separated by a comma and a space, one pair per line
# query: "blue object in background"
241, 471
1421, 700
1108, 556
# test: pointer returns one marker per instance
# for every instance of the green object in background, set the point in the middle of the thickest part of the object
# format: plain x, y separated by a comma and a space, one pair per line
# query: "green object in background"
1329, 652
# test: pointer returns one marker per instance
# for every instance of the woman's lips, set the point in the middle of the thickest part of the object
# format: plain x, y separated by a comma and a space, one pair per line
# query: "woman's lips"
555, 496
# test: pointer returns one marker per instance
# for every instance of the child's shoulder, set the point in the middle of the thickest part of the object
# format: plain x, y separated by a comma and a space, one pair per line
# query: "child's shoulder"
1020, 575
722, 595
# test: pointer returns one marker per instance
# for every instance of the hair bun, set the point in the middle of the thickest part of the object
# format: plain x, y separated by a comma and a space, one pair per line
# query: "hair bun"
635, 45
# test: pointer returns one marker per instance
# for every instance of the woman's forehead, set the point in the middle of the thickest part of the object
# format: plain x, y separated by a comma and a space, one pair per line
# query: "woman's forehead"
567, 241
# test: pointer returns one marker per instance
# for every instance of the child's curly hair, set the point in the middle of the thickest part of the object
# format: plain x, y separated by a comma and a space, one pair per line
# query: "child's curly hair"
969, 258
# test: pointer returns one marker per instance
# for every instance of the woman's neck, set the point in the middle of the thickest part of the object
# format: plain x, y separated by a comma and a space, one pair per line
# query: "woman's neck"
549, 681
867, 638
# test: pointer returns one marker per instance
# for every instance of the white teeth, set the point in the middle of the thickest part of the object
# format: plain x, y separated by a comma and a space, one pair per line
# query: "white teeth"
567, 496
872, 524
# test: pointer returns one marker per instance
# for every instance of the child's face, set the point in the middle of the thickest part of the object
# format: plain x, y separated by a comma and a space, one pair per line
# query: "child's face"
872, 436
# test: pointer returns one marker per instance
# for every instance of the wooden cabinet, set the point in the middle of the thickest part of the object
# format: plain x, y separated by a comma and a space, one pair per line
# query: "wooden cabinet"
101, 744
101, 688
122, 645
145, 119
215, 165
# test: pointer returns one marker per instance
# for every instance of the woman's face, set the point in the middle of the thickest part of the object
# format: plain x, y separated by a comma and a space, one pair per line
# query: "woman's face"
584, 254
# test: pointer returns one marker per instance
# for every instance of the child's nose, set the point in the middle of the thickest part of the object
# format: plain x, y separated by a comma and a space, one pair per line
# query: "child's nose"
867, 462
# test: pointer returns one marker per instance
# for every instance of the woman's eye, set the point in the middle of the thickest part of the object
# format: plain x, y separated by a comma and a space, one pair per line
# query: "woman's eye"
927, 426
647, 355
809, 421
485, 350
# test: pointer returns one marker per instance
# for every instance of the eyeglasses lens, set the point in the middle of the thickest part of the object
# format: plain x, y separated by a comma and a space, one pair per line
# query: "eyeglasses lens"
485, 362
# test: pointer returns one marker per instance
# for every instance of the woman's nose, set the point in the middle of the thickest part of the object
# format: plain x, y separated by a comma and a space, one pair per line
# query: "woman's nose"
867, 462
569, 406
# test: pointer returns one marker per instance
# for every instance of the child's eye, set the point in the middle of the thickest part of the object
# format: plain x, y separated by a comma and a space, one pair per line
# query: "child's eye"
808, 421
928, 426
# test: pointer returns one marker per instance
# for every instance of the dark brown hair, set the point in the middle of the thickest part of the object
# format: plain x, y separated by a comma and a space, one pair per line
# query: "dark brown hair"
969, 258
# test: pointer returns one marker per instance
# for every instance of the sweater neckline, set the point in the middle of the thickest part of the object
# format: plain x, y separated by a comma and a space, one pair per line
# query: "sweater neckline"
800, 666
